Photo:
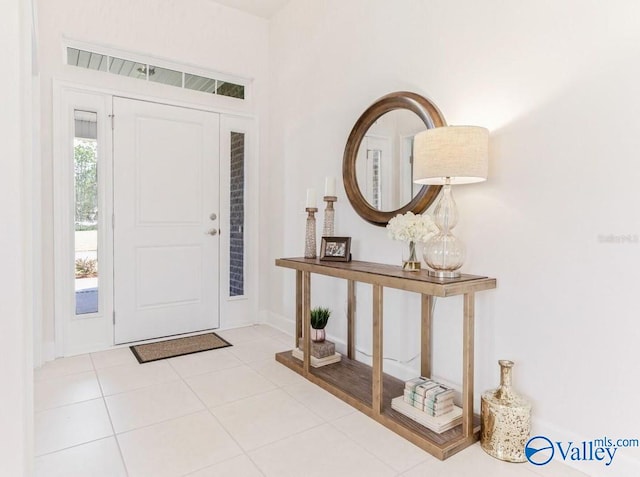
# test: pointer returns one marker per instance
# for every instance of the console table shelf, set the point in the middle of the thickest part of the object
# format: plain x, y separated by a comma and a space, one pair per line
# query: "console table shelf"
351, 381
367, 388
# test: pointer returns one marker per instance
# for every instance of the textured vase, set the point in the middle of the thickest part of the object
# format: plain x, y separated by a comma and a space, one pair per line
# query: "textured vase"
310, 249
506, 419
329, 218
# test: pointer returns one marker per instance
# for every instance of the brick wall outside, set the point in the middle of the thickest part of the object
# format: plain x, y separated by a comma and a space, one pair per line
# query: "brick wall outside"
236, 252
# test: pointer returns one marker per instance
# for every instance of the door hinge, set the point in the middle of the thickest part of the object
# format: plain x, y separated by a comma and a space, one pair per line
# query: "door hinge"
114, 317
112, 121
113, 221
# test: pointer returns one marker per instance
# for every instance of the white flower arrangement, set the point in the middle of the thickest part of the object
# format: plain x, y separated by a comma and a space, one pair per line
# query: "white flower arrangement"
411, 228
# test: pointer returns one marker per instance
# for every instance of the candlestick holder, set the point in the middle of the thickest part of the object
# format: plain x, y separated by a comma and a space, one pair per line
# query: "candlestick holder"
310, 250
329, 215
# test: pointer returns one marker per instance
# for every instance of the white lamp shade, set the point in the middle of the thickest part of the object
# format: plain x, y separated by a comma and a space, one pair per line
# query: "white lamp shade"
459, 153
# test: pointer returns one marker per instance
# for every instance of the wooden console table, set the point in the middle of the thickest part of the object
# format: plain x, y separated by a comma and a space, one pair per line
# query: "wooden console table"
367, 388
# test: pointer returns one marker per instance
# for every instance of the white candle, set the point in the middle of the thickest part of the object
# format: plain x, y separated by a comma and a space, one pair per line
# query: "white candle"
311, 199
330, 186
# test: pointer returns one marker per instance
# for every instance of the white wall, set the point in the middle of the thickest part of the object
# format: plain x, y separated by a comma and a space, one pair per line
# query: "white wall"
200, 33
16, 411
557, 84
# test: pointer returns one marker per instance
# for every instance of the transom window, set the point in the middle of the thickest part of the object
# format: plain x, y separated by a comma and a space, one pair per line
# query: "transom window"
147, 71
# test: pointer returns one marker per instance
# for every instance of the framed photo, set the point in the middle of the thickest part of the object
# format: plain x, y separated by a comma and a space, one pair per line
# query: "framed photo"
337, 249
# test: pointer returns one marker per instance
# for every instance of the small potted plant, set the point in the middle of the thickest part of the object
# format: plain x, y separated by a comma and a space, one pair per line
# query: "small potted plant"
319, 318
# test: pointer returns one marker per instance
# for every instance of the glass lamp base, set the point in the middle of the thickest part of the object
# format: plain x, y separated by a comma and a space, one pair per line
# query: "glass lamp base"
444, 255
444, 274
444, 252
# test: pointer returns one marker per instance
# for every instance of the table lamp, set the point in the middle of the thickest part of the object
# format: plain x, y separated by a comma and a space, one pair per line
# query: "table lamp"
445, 156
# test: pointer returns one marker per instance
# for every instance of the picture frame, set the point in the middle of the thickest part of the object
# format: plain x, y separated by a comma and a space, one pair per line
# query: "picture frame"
336, 249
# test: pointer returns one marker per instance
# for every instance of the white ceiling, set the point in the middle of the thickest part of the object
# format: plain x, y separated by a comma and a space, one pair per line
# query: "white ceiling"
261, 8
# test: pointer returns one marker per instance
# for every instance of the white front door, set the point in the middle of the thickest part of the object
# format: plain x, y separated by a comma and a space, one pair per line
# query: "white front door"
166, 220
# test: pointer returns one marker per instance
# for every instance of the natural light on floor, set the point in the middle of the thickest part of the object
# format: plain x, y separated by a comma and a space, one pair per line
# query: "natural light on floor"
227, 412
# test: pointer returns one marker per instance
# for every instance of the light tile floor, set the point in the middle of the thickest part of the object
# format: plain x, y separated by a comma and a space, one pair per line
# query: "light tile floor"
228, 412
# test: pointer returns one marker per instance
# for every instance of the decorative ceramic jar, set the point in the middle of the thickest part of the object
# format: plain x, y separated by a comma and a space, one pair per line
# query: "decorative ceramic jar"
506, 419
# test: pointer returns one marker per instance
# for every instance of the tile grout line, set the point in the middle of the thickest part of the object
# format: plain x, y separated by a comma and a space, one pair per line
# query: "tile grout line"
72, 446
208, 372
278, 387
178, 378
324, 421
104, 401
352, 409
316, 426
185, 378
66, 405
141, 387
415, 466
66, 375
163, 421
243, 452
330, 423
364, 448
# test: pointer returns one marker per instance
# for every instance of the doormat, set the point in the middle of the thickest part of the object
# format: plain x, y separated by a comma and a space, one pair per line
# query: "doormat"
146, 353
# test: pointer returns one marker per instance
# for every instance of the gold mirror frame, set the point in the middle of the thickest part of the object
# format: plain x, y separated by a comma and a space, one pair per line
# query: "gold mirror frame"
429, 115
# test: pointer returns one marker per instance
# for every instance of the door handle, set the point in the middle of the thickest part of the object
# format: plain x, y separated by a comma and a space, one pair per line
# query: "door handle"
212, 232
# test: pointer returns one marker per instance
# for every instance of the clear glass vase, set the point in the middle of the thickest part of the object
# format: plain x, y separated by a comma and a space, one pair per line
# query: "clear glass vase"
410, 261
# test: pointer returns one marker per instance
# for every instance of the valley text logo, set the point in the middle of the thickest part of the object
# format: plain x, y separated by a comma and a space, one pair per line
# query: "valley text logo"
539, 450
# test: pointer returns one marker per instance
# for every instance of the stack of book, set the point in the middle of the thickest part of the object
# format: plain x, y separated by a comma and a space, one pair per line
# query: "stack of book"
322, 353
429, 403
429, 396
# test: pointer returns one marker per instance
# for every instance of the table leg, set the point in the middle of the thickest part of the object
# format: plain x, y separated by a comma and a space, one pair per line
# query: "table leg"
351, 310
306, 321
298, 334
425, 336
377, 350
467, 365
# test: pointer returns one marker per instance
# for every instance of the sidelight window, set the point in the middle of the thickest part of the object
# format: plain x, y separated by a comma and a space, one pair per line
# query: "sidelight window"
237, 203
85, 160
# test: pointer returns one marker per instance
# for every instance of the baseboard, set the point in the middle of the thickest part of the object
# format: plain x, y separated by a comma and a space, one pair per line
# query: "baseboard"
48, 352
279, 322
263, 317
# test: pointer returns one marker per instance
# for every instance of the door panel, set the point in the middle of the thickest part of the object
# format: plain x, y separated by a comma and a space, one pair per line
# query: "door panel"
156, 288
166, 186
180, 147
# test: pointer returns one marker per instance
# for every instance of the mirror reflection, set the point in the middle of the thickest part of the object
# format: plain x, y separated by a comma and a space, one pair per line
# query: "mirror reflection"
384, 164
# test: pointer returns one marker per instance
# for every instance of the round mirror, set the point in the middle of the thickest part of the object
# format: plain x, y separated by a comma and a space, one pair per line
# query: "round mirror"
377, 166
